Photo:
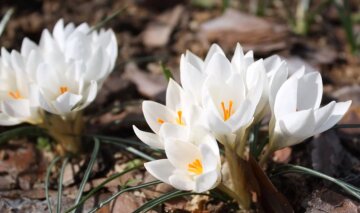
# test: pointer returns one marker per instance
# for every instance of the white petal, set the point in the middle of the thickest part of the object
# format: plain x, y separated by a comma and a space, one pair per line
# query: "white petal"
90, 94
207, 181
181, 153
16, 108
192, 79
297, 126
182, 182
322, 114
174, 131
238, 58
154, 111
150, 139
173, 95
216, 124
214, 49
276, 81
310, 91
194, 60
6, 120
160, 169
286, 98
66, 102
210, 160
27, 46
219, 66
339, 111
242, 116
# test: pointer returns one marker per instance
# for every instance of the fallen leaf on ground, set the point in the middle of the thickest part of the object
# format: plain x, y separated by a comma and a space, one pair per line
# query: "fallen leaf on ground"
251, 31
157, 33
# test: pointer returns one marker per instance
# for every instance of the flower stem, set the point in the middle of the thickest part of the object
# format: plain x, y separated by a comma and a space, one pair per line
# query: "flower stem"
65, 131
266, 155
222, 187
241, 141
238, 177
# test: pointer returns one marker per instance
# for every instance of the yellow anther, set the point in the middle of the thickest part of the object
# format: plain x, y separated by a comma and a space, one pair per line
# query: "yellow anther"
63, 90
227, 112
15, 95
195, 167
179, 119
160, 121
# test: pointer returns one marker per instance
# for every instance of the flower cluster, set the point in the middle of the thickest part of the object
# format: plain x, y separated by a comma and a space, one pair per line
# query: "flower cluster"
221, 100
61, 75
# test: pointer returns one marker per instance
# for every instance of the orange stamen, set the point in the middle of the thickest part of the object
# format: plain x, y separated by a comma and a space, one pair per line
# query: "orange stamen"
227, 112
179, 119
160, 121
63, 90
195, 167
15, 95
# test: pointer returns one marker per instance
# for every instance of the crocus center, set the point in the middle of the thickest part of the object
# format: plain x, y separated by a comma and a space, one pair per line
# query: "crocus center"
195, 167
160, 121
15, 95
227, 111
179, 119
63, 89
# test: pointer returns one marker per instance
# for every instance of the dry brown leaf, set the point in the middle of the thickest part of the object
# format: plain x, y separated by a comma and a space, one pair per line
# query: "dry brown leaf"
157, 33
150, 85
282, 155
251, 31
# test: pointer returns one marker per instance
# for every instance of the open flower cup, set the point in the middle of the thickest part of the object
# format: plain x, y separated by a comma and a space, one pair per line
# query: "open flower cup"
222, 100
50, 83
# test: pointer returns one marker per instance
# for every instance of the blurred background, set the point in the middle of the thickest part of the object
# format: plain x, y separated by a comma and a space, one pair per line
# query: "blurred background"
152, 34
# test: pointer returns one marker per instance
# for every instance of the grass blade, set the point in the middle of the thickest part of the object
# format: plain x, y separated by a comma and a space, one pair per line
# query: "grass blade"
60, 191
100, 186
107, 19
21, 131
166, 71
343, 8
88, 171
48, 171
132, 150
352, 190
103, 203
163, 198
5, 20
339, 126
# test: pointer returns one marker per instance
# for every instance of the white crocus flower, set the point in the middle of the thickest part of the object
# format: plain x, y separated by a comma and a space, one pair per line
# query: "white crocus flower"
297, 110
179, 110
193, 71
192, 164
228, 105
18, 96
254, 77
71, 65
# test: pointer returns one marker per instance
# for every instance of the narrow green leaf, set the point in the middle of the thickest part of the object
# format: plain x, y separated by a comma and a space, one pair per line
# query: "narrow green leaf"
165, 197
166, 71
157, 201
5, 20
339, 126
88, 171
289, 168
21, 131
60, 185
132, 150
103, 203
48, 171
343, 8
107, 19
100, 186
